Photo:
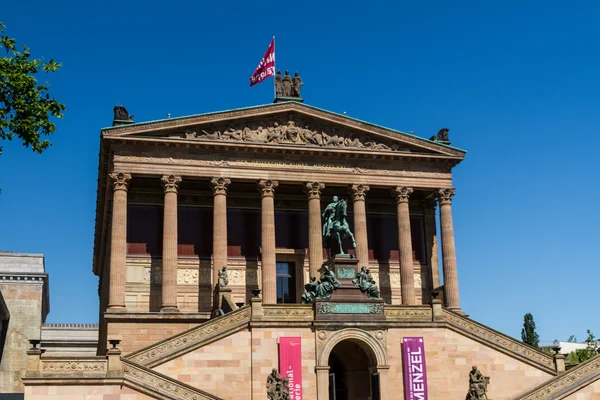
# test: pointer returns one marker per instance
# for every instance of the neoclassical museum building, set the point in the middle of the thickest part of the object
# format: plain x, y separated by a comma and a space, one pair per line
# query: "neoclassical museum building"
179, 199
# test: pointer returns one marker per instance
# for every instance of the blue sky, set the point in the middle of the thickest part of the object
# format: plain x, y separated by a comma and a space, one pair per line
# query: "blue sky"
516, 82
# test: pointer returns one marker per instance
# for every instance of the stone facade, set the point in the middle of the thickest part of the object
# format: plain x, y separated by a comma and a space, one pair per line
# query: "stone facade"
179, 199
24, 287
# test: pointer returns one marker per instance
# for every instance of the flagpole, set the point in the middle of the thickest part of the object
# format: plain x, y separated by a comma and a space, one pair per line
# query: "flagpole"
274, 70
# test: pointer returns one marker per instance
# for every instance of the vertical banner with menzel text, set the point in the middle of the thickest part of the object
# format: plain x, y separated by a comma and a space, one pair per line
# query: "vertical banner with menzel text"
415, 371
290, 364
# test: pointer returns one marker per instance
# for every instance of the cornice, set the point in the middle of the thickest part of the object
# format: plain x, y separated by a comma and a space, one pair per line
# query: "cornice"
182, 122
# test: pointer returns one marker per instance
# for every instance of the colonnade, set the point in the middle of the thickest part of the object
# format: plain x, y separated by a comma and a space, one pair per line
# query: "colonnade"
267, 189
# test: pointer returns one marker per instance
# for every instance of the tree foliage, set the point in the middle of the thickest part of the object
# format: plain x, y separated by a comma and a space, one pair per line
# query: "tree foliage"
26, 107
528, 333
590, 351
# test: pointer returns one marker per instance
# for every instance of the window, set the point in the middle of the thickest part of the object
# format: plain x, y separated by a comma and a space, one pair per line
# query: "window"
286, 285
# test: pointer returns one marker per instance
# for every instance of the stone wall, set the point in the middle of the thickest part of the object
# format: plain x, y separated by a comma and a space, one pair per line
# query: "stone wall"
223, 367
589, 392
83, 392
137, 335
449, 358
23, 284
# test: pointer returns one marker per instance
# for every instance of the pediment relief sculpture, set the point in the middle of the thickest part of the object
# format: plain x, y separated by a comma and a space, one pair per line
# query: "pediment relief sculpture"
290, 131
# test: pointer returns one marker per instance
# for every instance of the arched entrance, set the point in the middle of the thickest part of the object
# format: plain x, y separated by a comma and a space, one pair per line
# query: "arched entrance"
351, 364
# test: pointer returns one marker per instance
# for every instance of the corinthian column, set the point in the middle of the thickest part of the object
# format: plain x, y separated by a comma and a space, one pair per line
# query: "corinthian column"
444, 197
315, 234
219, 187
118, 242
358, 193
269, 287
169, 255
407, 284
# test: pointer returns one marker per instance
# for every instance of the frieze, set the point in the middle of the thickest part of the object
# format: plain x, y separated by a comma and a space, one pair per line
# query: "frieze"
285, 165
160, 383
192, 338
288, 312
295, 132
185, 276
406, 313
567, 381
509, 344
71, 366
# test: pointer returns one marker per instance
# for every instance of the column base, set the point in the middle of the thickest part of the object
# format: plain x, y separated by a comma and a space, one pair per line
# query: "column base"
169, 309
116, 309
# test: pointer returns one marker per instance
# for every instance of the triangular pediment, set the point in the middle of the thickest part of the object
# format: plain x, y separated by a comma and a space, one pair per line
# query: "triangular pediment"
285, 124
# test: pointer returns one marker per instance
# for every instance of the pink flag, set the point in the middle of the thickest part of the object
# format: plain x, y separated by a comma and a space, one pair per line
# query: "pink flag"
266, 66
290, 364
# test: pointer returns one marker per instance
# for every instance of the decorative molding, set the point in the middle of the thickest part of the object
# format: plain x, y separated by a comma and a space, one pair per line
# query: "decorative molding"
170, 183
313, 189
408, 313
155, 382
444, 196
418, 280
401, 194
292, 312
281, 165
395, 279
565, 383
219, 185
358, 192
267, 187
120, 180
70, 366
501, 342
192, 339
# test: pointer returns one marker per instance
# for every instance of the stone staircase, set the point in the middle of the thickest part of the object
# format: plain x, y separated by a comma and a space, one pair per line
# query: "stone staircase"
192, 339
566, 383
499, 341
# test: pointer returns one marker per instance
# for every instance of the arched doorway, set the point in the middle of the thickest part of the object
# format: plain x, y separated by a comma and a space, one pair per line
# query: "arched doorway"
350, 365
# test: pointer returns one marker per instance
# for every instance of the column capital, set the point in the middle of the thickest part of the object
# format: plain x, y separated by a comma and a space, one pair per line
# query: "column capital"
219, 185
267, 187
120, 180
402, 193
313, 189
358, 192
170, 183
444, 195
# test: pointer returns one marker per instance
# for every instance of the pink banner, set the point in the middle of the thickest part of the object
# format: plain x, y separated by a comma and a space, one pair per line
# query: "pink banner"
290, 364
415, 371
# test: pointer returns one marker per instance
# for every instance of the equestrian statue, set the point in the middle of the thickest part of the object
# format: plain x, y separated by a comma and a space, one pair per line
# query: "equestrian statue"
336, 228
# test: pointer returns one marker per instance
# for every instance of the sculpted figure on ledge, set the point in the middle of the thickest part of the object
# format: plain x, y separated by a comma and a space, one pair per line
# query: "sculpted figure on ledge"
223, 278
366, 283
477, 385
321, 289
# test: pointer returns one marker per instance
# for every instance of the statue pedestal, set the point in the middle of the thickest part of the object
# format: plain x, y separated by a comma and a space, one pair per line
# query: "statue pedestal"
223, 302
347, 302
281, 99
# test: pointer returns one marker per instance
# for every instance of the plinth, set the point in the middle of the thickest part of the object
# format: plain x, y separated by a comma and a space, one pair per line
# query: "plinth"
347, 302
